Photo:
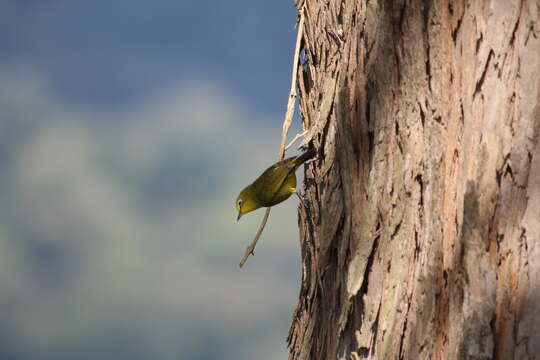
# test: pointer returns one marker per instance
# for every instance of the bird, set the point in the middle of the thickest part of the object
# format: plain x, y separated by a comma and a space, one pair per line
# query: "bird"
275, 185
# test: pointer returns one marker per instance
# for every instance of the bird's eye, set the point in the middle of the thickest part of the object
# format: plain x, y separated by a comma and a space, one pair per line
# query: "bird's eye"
239, 203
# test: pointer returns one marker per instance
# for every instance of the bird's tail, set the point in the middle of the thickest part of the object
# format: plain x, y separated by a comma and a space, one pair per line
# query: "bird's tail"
300, 159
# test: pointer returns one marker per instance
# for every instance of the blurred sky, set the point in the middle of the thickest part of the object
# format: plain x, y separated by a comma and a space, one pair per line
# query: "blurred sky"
127, 128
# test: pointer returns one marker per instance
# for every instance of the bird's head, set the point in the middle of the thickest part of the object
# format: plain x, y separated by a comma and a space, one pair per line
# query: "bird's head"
246, 202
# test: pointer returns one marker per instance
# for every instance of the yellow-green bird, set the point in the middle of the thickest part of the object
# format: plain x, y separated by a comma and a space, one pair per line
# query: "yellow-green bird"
275, 185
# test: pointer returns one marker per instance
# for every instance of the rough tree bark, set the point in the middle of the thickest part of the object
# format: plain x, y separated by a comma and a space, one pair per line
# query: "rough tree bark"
421, 236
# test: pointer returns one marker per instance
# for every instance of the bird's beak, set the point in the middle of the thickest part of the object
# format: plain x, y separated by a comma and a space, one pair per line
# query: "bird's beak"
239, 216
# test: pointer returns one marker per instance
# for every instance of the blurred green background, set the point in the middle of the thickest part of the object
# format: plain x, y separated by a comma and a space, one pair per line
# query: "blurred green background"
127, 128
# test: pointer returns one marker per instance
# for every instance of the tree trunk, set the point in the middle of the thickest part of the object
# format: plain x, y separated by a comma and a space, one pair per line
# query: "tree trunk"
421, 236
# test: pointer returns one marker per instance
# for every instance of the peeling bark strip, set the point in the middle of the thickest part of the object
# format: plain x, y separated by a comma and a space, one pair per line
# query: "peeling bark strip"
422, 235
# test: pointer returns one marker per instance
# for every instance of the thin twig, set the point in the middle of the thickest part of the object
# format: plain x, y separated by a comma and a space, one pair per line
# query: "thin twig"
251, 247
298, 136
292, 95
286, 125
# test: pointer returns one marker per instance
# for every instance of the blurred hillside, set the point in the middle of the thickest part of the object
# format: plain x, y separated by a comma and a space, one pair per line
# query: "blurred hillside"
118, 237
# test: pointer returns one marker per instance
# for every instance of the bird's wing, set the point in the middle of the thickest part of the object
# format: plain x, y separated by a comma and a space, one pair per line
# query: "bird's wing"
271, 181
